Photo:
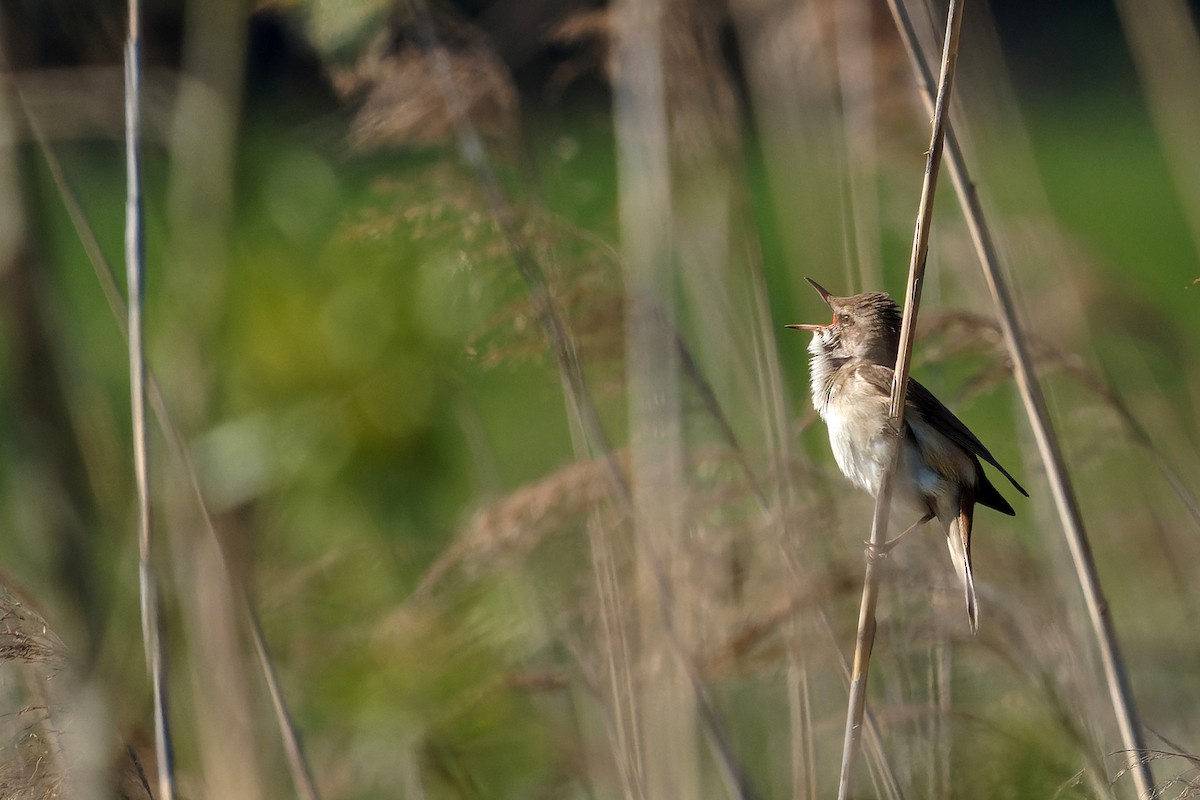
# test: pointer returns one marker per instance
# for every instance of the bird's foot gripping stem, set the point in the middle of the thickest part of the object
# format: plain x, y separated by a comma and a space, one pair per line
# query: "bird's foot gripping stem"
875, 551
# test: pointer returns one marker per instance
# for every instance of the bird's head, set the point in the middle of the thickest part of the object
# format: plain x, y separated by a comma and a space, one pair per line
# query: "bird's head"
865, 326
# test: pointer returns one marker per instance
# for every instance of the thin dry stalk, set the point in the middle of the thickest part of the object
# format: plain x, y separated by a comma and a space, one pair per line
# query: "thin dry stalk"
866, 621
302, 779
1120, 693
657, 473
293, 748
691, 370
134, 275
804, 760
942, 674
614, 643
177, 447
198, 198
885, 777
675, 690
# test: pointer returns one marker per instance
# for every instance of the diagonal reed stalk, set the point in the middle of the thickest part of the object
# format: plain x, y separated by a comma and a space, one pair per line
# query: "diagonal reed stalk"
1120, 692
865, 639
135, 249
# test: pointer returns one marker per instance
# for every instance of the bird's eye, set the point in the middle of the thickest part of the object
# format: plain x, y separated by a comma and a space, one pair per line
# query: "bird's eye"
844, 319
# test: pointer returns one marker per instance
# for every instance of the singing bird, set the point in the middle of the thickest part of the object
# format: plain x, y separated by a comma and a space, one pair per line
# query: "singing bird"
939, 474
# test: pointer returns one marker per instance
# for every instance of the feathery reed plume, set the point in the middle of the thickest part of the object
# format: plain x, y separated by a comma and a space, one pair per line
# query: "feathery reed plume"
530, 270
865, 639
518, 522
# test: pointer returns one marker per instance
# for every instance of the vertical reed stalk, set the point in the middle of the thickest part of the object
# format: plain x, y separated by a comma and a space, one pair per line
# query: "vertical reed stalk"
657, 474
865, 640
135, 278
1120, 692
1165, 46
581, 408
177, 447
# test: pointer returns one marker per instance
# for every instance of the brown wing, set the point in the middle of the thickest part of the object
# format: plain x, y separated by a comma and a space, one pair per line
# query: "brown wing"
942, 419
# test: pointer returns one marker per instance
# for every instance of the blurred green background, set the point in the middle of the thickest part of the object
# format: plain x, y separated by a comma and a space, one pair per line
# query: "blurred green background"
457, 599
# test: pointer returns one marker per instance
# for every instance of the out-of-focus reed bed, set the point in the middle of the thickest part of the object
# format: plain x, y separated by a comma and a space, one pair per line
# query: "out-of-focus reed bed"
508, 451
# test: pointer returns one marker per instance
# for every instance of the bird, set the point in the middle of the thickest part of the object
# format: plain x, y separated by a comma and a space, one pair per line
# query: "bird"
939, 475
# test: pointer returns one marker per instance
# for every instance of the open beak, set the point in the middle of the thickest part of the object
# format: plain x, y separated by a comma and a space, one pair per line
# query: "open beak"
821, 291
824, 296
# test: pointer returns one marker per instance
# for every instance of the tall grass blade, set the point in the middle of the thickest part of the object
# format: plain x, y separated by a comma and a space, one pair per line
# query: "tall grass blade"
135, 248
865, 639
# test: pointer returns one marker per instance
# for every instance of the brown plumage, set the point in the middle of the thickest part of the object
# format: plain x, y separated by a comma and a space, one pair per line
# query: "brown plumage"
939, 474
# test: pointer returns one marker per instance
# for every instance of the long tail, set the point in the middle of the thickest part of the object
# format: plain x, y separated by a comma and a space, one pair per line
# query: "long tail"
958, 540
